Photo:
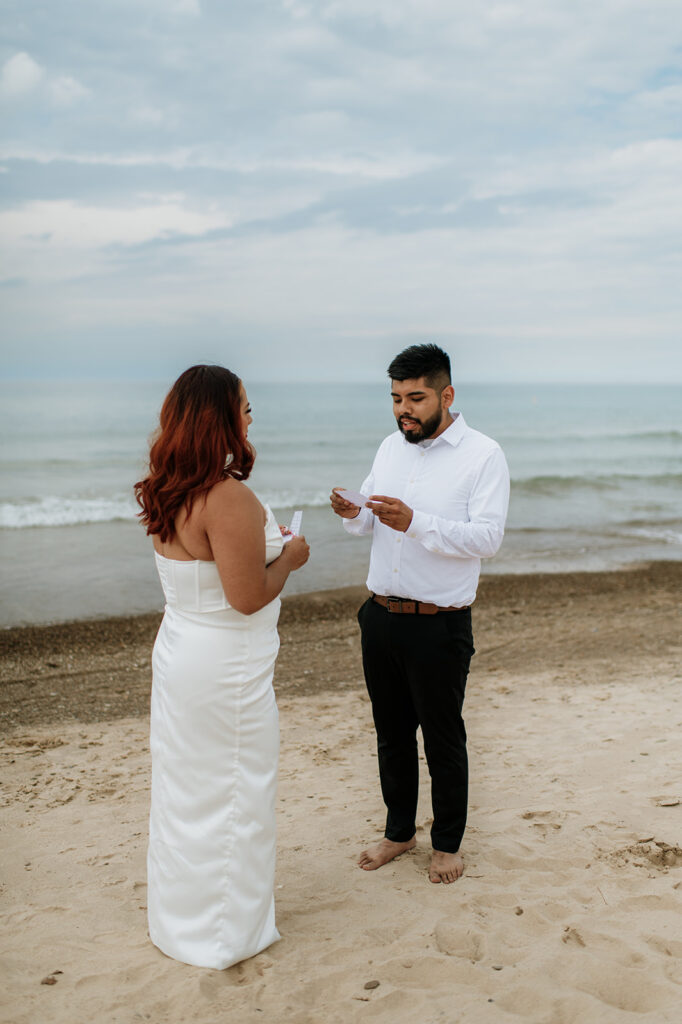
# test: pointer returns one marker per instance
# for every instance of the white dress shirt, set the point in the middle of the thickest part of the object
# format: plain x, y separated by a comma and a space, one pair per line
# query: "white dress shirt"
458, 488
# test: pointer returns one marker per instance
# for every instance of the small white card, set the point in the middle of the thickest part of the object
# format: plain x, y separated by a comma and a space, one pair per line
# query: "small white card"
355, 497
294, 526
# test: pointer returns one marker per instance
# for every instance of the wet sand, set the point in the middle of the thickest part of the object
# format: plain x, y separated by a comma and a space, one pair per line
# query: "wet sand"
570, 909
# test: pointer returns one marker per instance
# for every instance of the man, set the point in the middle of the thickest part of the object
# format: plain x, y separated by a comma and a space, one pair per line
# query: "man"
438, 494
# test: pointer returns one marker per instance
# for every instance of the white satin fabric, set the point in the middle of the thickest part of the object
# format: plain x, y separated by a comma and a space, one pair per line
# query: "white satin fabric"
214, 746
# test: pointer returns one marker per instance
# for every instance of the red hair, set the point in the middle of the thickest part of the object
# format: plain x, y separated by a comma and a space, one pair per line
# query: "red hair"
199, 442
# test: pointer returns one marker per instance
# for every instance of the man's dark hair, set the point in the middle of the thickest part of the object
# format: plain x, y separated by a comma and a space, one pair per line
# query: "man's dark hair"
427, 361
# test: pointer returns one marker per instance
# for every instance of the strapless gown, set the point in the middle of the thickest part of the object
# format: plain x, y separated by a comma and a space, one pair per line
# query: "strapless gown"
214, 747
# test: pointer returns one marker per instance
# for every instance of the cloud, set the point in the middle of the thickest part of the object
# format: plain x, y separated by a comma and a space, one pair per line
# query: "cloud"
191, 7
347, 169
148, 115
37, 230
380, 165
65, 90
21, 75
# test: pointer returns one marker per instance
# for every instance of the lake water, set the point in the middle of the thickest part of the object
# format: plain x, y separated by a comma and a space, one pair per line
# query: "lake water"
596, 481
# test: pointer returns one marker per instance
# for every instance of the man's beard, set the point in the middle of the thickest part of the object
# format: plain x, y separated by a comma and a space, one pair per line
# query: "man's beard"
425, 430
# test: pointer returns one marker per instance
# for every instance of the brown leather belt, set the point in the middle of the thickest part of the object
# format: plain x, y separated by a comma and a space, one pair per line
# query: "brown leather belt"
403, 606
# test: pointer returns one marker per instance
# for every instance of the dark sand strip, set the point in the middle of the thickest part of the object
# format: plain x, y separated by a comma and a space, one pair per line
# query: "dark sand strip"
577, 624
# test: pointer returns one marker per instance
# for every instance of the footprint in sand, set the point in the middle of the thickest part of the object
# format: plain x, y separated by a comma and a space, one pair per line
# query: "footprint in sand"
657, 854
544, 822
618, 986
246, 973
100, 860
453, 940
529, 1002
640, 904
669, 947
572, 936
140, 892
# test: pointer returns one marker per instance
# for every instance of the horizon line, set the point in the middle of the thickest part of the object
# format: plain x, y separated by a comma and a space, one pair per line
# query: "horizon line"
463, 382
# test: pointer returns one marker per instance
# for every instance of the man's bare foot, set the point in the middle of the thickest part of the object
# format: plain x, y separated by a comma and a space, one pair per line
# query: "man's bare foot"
445, 867
374, 856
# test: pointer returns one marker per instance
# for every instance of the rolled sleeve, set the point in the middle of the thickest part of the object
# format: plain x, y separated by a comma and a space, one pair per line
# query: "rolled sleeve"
480, 536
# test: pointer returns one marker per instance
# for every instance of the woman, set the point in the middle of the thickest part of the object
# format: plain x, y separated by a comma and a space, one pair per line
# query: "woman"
214, 740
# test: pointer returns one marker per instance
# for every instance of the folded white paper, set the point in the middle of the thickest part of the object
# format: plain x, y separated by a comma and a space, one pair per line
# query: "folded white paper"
294, 526
356, 497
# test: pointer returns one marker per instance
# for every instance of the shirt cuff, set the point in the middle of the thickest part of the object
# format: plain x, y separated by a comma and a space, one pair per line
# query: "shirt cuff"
419, 526
361, 522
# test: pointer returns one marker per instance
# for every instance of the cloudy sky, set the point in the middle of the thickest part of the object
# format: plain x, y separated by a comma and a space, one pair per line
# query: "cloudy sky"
299, 189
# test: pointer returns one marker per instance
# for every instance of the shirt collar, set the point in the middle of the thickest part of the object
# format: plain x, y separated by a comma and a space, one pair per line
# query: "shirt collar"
452, 434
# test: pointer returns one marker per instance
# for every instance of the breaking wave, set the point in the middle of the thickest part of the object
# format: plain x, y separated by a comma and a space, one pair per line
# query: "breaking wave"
65, 512
53, 511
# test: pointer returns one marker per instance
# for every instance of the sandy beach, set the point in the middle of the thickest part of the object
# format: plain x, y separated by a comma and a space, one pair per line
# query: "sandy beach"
570, 908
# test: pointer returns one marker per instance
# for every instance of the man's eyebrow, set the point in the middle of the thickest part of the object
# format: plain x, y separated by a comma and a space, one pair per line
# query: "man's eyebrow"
410, 394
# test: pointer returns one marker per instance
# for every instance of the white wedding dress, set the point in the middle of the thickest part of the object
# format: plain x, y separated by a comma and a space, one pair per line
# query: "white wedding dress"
214, 745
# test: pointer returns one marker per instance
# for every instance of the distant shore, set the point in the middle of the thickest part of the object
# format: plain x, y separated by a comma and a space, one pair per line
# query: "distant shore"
99, 669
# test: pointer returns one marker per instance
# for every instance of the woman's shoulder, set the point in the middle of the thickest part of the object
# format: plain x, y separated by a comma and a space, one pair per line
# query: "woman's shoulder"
231, 496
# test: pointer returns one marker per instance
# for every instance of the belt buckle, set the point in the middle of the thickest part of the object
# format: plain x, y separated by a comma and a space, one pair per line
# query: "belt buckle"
394, 604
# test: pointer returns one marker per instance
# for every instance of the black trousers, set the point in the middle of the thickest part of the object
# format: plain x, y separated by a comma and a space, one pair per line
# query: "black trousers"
416, 668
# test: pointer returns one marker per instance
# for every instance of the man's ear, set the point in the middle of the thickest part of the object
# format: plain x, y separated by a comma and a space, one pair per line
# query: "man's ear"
447, 396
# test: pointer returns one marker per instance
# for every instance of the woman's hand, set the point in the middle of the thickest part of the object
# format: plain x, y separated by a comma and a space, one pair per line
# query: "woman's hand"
296, 552
234, 521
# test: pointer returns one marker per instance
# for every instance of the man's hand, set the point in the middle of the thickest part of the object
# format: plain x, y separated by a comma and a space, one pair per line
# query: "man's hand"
343, 508
391, 512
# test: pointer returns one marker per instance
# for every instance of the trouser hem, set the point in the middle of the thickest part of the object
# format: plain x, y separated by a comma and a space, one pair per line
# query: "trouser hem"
445, 847
402, 837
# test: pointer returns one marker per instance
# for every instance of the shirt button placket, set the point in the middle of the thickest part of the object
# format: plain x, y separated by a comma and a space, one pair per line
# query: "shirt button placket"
415, 471
396, 557
397, 545
409, 494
